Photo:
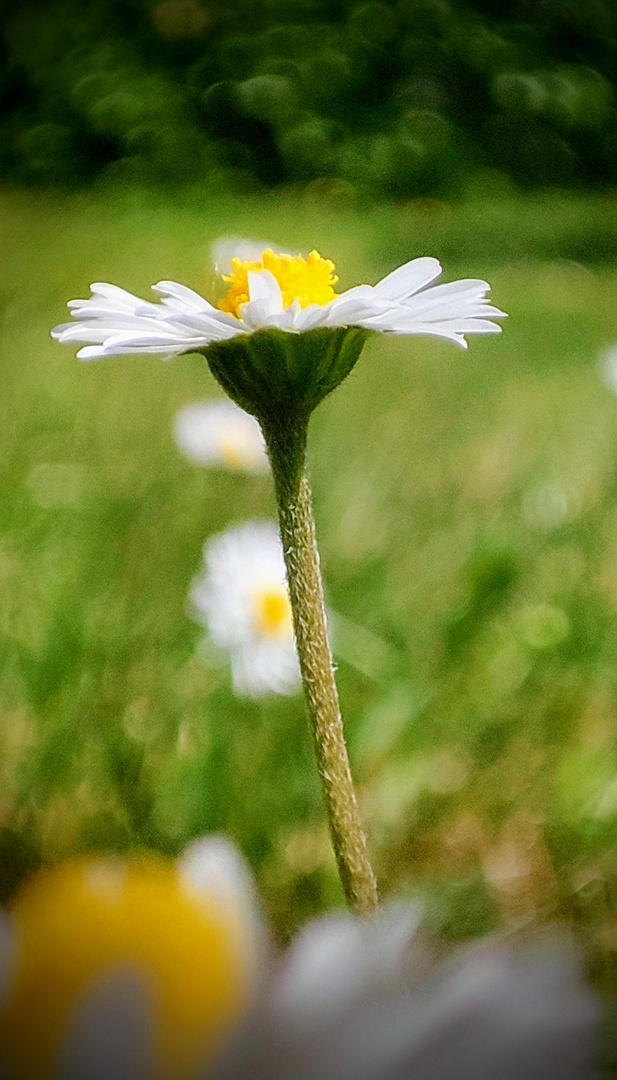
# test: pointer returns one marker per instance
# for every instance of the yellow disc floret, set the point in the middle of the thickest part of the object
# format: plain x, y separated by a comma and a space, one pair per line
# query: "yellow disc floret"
310, 281
273, 613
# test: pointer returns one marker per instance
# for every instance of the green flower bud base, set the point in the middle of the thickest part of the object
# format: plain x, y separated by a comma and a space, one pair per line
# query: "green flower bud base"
273, 373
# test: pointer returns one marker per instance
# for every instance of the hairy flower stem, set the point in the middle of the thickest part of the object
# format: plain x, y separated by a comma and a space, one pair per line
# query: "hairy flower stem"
286, 441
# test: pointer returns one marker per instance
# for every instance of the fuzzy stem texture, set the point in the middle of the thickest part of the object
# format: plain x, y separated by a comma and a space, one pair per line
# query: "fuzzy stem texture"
286, 442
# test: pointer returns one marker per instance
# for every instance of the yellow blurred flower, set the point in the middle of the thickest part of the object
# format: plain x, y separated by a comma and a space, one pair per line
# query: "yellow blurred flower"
165, 937
145, 970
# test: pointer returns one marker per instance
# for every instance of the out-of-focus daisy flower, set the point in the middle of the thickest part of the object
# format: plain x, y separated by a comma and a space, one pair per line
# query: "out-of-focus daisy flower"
115, 970
242, 599
227, 248
219, 433
155, 972
355, 1000
277, 291
608, 369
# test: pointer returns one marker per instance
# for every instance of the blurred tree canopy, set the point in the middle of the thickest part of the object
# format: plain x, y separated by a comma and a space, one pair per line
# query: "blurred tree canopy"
398, 98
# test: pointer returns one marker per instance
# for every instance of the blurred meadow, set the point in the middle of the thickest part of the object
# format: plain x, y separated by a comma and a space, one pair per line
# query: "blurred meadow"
466, 503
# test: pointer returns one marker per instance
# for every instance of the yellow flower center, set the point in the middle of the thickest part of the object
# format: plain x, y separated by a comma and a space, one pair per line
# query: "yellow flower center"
77, 924
237, 455
273, 613
310, 281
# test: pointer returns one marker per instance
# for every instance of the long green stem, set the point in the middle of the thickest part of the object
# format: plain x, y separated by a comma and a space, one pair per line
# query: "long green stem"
286, 441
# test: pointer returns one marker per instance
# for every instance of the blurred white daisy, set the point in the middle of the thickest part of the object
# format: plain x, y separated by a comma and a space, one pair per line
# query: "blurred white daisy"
608, 368
243, 601
149, 970
115, 969
227, 248
220, 433
281, 291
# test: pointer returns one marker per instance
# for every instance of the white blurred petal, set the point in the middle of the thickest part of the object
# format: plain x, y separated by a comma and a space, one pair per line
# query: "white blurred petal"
212, 868
338, 1010
8, 955
227, 248
111, 1036
221, 434
608, 369
338, 960
211, 865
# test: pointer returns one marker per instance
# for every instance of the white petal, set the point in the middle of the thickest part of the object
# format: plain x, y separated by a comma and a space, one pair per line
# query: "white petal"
445, 298
100, 352
426, 331
112, 1034
180, 300
218, 321
282, 320
212, 867
227, 248
98, 309
262, 667
310, 317
471, 326
339, 960
159, 342
264, 286
112, 293
213, 870
187, 298
608, 368
408, 279
68, 332
114, 322
8, 956
402, 326
354, 311
255, 314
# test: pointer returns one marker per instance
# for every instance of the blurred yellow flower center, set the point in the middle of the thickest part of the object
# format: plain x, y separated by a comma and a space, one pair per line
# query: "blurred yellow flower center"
235, 454
310, 281
78, 924
273, 613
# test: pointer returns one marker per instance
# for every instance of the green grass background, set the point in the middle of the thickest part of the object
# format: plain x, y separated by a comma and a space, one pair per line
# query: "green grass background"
466, 507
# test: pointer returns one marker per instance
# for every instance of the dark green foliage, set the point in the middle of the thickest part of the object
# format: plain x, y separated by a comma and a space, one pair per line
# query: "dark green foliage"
395, 97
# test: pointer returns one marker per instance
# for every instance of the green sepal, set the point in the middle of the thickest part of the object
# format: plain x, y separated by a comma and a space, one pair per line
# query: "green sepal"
272, 372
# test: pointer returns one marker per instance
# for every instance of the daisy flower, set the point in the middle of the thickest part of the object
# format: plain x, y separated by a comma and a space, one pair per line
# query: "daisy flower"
219, 433
149, 970
242, 599
114, 969
282, 337
608, 369
278, 291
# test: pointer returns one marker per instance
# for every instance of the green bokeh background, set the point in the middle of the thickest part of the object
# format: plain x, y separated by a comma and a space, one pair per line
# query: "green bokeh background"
394, 98
466, 503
